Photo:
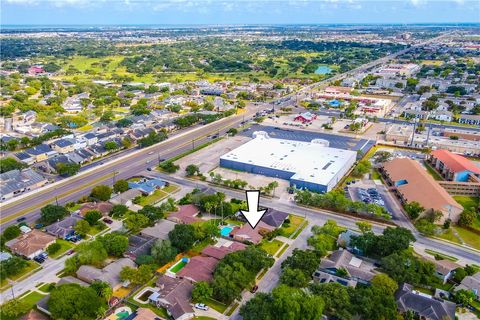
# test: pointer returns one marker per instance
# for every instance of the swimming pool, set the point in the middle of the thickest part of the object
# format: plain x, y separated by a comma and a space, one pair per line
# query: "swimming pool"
323, 70
225, 231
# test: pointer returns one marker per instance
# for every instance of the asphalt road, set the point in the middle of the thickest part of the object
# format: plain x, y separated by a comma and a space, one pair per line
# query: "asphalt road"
73, 188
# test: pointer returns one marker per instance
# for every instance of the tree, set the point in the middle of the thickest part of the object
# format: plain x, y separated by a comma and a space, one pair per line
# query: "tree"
120, 186
15, 308
119, 210
11, 232
115, 244
135, 221
393, 240
364, 226
72, 301
82, 227
152, 213
464, 297
137, 276
192, 170
384, 284
403, 266
182, 236
294, 278
102, 289
336, 298
201, 291
305, 260
53, 248
467, 217
52, 213
169, 167
8, 164
111, 145
382, 156
101, 192
361, 168
92, 217
163, 251
459, 274
67, 169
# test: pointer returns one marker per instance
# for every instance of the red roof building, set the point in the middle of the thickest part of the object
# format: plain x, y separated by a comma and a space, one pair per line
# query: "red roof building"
198, 269
186, 214
246, 233
33, 70
220, 252
452, 166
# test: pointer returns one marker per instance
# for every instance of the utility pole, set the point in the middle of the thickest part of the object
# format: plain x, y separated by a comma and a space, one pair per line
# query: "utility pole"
193, 144
113, 178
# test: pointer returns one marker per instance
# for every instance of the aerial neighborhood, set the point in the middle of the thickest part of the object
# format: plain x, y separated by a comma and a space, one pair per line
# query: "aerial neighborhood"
128, 154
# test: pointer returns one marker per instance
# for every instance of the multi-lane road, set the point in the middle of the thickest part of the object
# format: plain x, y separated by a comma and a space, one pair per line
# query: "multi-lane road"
71, 189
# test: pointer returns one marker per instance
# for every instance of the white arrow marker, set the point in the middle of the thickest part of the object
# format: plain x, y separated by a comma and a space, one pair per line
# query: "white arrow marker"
254, 213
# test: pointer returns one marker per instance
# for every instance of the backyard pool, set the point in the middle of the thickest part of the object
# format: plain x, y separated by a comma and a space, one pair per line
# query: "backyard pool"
225, 231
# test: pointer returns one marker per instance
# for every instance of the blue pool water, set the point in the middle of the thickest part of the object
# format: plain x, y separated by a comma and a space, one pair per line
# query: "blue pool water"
225, 231
323, 70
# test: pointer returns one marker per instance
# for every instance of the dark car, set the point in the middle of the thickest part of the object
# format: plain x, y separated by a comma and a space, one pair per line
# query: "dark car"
21, 219
108, 221
254, 289
39, 259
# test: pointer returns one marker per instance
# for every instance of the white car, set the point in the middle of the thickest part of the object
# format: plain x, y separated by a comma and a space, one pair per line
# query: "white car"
201, 306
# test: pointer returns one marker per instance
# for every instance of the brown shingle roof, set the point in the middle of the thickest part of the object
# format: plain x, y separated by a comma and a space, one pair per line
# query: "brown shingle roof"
186, 213
34, 315
246, 233
31, 242
103, 207
220, 252
199, 269
417, 185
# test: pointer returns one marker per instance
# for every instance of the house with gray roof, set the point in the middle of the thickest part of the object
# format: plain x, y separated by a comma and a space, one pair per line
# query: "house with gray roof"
15, 182
274, 217
63, 227
471, 283
345, 268
424, 305
110, 273
174, 295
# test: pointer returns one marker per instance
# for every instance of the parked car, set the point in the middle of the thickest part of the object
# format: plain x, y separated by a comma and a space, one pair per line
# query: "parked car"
39, 259
21, 219
201, 306
70, 252
254, 289
149, 169
107, 221
39, 226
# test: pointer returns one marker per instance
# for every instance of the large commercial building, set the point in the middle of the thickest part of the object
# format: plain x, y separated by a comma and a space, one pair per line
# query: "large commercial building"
310, 165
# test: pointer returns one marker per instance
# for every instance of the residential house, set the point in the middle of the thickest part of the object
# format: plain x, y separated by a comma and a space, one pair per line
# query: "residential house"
174, 295
247, 234
160, 230
471, 283
417, 114
440, 115
25, 157
306, 117
143, 314
102, 206
30, 244
344, 239
274, 218
42, 304
110, 273
126, 197
186, 214
91, 138
139, 245
469, 119
147, 186
63, 227
423, 305
444, 269
344, 268
63, 145
219, 251
198, 268
40, 152
15, 182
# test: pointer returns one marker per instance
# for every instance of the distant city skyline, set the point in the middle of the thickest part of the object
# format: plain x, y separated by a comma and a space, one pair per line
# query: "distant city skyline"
195, 12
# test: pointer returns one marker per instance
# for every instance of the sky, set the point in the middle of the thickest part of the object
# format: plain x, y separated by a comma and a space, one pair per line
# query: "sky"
124, 12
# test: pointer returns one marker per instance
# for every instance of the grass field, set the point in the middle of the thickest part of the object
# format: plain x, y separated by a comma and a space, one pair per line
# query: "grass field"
467, 202
279, 253
432, 172
178, 266
64, 246
47, 287
443, 256
171, 188
30, 299
216, 305
288, 230
271, 246
469, 237
32, 265
156, 196
450, 236
432, 62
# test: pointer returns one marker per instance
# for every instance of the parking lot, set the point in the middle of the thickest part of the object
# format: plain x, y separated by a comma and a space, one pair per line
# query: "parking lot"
336, 141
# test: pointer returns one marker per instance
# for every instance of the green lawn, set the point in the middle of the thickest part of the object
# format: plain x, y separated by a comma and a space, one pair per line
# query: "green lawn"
64, 246
216, 305
32, 265
47, 287
96, 230
156, 196
469, 237
432, 172
199, 246
448, 235
271, 246
30, 299
304, 225
279, 254
288, 229
171, 188
232, 309
467, 202
443, 256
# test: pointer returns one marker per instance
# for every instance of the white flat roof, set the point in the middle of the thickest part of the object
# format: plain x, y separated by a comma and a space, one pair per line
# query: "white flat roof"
308, 161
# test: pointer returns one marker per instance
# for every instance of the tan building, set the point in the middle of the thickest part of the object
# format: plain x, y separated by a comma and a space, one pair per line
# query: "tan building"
411, 182
399, 133
30, 244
